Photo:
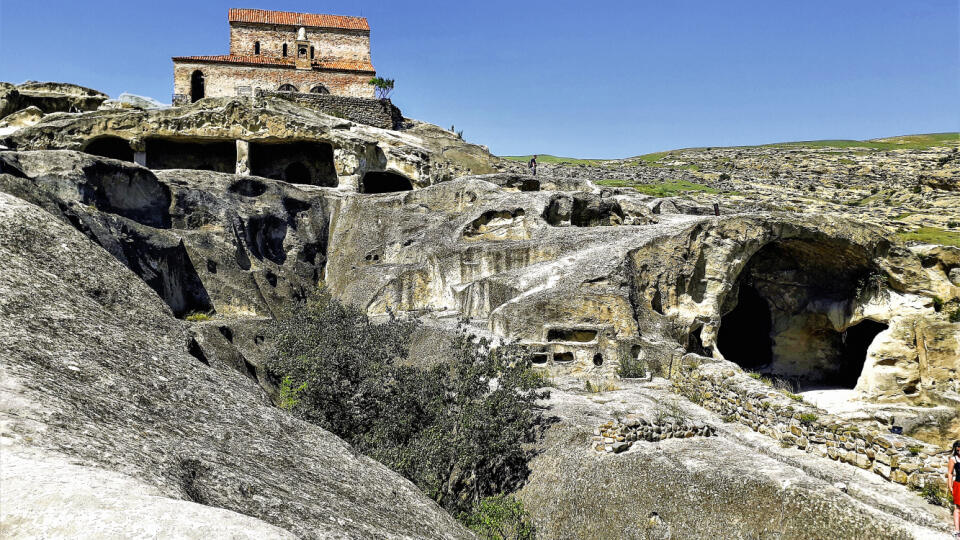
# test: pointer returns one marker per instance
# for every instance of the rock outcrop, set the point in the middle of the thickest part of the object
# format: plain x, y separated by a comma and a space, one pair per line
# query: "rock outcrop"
119, 224
48, 97
100, 393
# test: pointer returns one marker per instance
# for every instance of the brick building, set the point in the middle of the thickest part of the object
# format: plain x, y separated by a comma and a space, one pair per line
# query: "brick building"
281, 51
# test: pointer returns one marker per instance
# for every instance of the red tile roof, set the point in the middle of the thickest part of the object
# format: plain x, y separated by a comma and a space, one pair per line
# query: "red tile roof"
289, 62
297, 19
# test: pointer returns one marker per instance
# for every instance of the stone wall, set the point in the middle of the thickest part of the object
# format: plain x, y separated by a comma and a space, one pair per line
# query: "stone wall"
226, 79
372, 112
328, 43
616, 436
724, 388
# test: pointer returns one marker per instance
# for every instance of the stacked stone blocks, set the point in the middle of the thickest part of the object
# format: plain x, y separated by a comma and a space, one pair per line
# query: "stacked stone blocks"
381, 113
617, 436
724, 388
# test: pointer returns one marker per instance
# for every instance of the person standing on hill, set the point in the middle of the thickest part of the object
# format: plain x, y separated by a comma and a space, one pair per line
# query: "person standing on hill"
533, 165
953, 484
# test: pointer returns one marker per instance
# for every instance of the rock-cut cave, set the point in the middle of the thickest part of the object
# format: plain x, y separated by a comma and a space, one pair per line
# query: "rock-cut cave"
776, 320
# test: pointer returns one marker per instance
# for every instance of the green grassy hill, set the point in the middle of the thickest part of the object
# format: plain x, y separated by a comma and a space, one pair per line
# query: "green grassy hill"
906, 142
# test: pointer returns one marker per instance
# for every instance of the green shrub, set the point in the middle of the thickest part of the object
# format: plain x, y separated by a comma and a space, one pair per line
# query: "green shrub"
808, 418
631, 367
197, 316
937, 304
500, 517
914, 450
936, 495
457, 430
955, 316
289, 393
795, 397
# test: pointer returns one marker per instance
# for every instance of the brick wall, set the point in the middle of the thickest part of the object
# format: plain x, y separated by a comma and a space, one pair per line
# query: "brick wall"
372, 112
223, 80
329, 43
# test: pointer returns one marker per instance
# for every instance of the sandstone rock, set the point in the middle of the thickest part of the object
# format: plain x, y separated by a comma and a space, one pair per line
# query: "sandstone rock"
97, 369
49, 97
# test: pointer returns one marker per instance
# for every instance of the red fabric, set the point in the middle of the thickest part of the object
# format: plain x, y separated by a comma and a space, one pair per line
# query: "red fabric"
956, 493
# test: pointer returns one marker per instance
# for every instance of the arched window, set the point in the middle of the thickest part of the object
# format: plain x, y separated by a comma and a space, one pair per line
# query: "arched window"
319, 89
287, 88
256, 47
284, 49
311, 52
196, 86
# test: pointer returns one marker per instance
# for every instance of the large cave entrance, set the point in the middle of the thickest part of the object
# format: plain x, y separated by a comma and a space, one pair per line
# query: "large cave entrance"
300, 162
207, 155
384, 182
790, 314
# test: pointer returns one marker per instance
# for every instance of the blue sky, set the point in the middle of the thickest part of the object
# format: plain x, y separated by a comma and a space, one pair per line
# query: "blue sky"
600, 79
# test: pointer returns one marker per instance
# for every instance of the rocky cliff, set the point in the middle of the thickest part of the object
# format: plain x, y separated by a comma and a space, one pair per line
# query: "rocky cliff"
143, 252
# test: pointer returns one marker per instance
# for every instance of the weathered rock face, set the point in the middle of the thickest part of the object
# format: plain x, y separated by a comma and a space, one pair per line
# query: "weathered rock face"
802, 299
98, 378
49, 97
204, 241
192, 203
246, 134
736, 484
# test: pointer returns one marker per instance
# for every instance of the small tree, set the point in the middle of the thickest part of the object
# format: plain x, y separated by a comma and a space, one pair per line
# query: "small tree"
382, 86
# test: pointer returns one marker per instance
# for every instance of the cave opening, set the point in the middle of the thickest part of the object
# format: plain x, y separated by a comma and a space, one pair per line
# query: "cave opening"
855, 341
791, 313
300, 162
110, 147
384, 182
206, 155
745, 332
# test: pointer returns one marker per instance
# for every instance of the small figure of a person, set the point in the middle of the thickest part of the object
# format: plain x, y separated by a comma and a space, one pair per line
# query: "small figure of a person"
533, 165
953, 484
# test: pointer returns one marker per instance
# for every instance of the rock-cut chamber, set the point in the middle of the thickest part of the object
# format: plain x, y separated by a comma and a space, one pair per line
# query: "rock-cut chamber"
777, 319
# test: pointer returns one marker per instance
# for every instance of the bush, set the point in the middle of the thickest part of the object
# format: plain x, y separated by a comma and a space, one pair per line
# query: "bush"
501, 517
198, 317
808, 418
937, 304
456, 430
955, 316
631, 367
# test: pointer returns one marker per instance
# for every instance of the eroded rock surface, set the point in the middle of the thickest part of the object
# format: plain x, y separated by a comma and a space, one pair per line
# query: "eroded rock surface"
226, 210
97, 369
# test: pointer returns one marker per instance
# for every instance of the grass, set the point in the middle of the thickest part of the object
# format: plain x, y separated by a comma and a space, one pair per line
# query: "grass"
546, 158
808, 418
931, 235
905, 142
665, 189
197, 317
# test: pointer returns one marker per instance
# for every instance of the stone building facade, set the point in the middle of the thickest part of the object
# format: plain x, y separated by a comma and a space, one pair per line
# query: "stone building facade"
281, 51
